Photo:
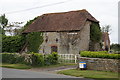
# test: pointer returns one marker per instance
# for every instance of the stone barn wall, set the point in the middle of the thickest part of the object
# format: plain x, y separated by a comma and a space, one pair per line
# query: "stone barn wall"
67, 42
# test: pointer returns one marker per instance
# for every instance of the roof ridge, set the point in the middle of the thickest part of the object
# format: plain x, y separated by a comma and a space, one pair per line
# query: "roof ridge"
66, 12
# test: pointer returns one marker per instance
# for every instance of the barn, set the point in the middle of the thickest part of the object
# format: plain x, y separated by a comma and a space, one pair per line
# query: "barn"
65, 32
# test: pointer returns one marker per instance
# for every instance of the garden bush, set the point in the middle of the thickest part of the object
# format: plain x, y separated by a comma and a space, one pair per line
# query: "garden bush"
37, 59
51, 58
12, 58
100, 54
34, 59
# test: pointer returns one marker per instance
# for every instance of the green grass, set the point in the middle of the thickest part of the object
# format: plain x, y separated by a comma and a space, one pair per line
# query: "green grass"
97, 75
23, 66
15, 66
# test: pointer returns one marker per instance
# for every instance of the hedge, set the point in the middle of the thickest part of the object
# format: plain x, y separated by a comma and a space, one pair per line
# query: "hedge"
12, 43
34, 59
12, 58
100, 54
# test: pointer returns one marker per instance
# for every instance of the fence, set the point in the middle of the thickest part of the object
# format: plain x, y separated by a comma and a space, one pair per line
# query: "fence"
68, 58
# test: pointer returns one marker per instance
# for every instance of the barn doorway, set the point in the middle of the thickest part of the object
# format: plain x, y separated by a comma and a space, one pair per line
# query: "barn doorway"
53, 49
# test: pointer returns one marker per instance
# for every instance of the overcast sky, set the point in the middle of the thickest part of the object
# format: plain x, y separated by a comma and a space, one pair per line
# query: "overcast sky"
105, 11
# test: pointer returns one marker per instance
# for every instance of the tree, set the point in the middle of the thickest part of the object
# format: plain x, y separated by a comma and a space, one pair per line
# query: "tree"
95, 36
95, 33
14, 28
3, 23
106, 28
115, 47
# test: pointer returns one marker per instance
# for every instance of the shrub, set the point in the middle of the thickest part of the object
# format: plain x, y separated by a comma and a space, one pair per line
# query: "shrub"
51, 58
34, 59
100, 54
12, 58
37, 59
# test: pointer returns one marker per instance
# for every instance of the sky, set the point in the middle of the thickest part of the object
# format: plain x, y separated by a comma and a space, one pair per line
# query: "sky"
105, 11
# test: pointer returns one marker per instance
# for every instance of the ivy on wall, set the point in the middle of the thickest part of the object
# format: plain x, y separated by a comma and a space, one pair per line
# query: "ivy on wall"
95, 32
34, 40
95, 35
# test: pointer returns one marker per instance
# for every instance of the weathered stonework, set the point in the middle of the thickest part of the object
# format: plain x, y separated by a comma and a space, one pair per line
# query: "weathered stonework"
101, 64
67, 42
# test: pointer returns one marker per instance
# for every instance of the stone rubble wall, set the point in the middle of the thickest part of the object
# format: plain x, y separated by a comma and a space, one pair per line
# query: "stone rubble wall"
101, 64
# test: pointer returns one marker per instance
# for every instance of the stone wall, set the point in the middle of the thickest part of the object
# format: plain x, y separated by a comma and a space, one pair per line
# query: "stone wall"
49, 40
67, 42
101, 64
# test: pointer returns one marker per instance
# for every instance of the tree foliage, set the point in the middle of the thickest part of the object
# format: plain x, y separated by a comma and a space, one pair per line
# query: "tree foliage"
14, 28
106, 28
12, 43
115, 47
95, 32
3, 23
3, 20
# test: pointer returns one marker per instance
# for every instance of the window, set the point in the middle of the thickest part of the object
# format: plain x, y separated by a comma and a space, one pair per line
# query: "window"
56, 39
46, 40
53, 49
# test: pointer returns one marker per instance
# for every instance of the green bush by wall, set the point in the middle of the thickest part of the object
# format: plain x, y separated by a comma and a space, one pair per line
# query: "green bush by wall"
12, 58
100, 54
51, 58
36, 59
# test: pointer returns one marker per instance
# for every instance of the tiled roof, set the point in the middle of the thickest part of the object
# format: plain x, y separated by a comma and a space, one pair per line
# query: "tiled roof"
65, 21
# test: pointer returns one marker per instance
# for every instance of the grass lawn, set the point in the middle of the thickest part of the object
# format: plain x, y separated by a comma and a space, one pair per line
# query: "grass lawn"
23, 66
97, 75
15, 66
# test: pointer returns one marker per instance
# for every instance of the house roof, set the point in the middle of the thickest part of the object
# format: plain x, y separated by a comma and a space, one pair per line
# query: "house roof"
65, 21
